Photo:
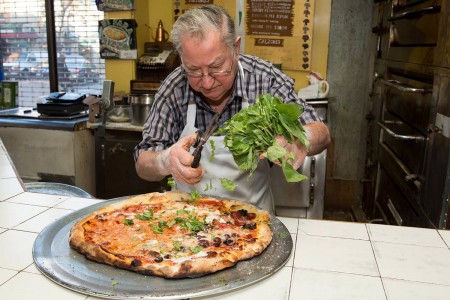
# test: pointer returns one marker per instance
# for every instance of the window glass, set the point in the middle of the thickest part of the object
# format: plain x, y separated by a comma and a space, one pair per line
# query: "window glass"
23, 45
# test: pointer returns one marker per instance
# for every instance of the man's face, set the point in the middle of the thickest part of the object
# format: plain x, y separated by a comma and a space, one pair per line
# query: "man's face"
211, 67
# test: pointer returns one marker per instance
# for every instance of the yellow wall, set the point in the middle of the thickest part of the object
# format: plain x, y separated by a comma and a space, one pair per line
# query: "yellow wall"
319, 56
120, 71
149, 12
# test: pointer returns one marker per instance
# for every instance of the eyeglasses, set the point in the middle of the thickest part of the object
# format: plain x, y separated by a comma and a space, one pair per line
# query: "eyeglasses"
212, 72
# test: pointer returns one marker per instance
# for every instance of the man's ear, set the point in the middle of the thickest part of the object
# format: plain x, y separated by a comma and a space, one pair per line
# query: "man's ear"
237, 45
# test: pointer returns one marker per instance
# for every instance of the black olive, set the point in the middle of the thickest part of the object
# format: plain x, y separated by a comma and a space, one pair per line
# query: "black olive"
228, 242
203, 243
158, 259
217, 241
243, 212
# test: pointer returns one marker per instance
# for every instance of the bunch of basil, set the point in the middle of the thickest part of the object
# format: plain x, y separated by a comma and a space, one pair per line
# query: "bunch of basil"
252, 131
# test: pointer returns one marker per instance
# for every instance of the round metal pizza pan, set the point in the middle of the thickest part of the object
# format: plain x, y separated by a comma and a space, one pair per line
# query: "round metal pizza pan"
56, 260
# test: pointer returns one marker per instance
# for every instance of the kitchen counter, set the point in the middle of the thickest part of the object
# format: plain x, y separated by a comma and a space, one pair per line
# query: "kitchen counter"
27, 117
125, 126
330, 260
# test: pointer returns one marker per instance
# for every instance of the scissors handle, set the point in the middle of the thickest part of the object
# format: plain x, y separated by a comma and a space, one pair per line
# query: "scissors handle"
201, 140
197, 155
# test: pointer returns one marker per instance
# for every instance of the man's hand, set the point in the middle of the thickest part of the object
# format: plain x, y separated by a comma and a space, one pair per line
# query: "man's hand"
180, 160
298, 149
318, 137
175, 161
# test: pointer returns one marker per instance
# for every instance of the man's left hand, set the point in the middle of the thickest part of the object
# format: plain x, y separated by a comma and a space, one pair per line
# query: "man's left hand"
298, 149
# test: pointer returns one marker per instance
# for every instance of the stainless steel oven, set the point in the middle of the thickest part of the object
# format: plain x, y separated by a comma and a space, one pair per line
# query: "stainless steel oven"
406, 114
413, 159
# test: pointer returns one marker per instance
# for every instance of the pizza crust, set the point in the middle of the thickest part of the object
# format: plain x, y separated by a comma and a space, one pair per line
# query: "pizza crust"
209, 260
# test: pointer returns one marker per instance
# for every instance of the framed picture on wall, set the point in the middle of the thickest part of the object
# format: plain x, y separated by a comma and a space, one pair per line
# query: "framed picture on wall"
117, 38
114, 5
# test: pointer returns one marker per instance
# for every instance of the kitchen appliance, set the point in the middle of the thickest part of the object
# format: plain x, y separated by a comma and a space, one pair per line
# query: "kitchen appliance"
158, 60
62, 104
412, 113
101, 106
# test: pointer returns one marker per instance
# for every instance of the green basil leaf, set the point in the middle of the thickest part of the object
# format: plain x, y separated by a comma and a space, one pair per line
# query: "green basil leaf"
252, 131
228, 184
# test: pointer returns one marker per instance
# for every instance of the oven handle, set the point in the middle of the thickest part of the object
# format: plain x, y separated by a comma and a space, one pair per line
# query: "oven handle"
395, 84
416, 13
394, 212
400, 136
409, 177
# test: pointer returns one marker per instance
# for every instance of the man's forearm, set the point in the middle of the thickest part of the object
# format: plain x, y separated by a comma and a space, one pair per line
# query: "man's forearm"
318, 136
153, 165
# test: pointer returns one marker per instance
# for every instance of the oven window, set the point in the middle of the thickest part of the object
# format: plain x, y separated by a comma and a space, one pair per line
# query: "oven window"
23, 45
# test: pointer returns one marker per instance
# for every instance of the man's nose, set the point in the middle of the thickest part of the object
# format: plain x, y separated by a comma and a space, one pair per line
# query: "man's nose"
207, 81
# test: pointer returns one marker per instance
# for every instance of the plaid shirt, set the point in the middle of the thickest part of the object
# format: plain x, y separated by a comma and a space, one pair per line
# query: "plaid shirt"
167, 117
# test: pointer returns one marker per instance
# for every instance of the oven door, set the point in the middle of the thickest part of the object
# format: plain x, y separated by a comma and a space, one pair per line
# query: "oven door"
408, 97
407, 111
413, 31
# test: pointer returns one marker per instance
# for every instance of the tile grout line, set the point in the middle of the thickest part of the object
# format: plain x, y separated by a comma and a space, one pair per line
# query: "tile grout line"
376, 261
293, 259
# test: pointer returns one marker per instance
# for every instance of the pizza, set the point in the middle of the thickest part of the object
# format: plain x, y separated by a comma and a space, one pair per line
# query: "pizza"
173, 234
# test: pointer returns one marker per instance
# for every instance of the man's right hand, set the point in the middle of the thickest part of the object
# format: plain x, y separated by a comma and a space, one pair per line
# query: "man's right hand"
180, 159
175, 160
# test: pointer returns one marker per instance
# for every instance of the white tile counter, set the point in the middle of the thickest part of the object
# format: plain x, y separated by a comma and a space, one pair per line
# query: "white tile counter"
331, 260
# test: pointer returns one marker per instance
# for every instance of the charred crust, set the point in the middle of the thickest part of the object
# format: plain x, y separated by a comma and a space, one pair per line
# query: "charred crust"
185, 267
136, 263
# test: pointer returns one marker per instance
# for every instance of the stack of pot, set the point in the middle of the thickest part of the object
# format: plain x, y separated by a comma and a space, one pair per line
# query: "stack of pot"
140, 107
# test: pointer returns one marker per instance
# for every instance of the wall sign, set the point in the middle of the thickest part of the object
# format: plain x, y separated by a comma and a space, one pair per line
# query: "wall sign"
266, 17
280, 31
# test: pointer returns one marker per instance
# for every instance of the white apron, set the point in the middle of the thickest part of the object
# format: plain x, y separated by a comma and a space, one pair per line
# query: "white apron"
255, 190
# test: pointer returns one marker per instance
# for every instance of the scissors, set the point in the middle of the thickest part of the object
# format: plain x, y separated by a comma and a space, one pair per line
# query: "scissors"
202, 138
